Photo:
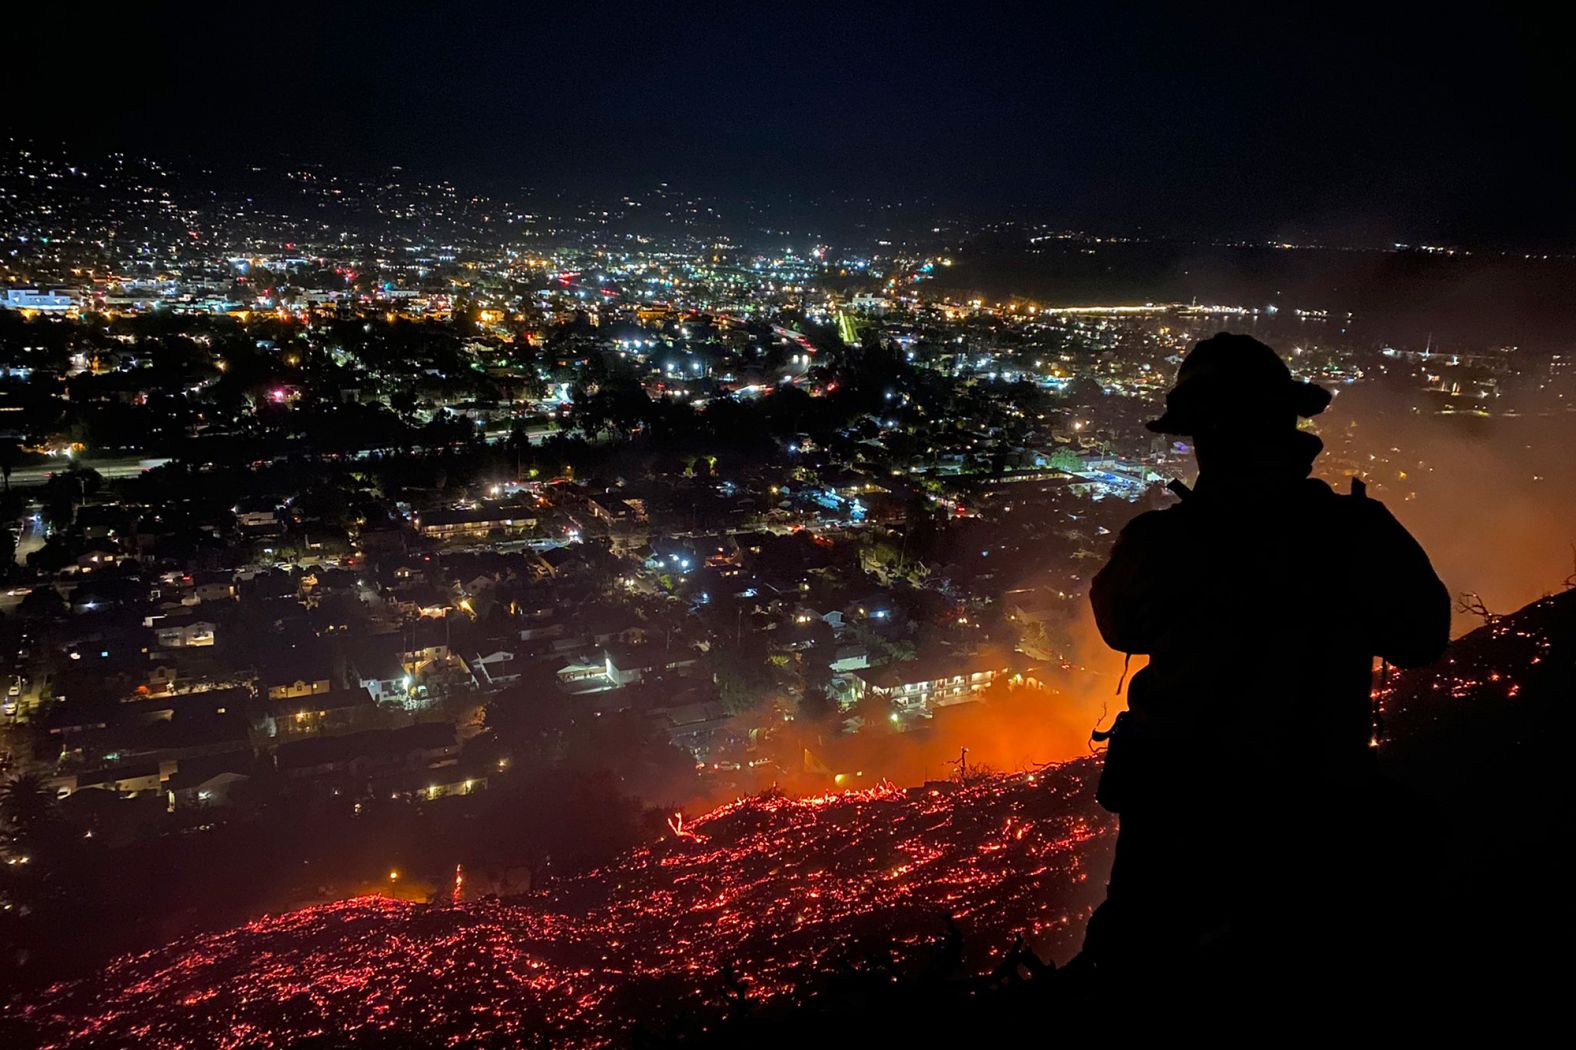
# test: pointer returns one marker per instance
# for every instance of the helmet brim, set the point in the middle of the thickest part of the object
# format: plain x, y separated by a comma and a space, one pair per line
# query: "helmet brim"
1306, 400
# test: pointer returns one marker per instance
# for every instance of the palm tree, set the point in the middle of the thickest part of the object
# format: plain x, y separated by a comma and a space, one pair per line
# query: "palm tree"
26, 806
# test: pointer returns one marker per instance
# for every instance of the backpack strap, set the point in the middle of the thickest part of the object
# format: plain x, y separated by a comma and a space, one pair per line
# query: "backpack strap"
1377, 693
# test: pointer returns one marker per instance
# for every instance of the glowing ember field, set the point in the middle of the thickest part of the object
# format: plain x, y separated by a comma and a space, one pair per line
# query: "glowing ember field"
766, 892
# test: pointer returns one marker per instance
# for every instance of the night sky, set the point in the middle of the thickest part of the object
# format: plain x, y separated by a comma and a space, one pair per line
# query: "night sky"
1258, 121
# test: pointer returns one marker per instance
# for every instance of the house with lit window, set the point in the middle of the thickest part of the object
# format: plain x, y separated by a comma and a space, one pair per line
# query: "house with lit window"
298, 670
181, 632
130, 779
476, 523
203, 783
336, 711
425, 785
379, 668
357, 757
919, 686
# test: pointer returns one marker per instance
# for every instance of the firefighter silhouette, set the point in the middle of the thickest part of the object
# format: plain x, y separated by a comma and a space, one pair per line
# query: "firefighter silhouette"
1243, 768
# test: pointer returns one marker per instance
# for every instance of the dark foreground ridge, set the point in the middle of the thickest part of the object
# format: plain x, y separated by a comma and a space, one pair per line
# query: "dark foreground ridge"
886, 914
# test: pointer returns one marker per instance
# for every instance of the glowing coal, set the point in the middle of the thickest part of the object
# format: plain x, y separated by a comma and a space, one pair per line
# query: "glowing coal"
762, 894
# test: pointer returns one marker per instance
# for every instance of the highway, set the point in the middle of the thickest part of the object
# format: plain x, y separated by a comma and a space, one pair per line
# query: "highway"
109, 469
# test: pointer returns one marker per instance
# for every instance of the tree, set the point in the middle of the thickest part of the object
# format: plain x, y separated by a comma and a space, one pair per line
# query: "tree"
816, 703
880, 556
10, 452
531, 719
1084, 392
742, 674
65, 492
1066, 459
634, 750
43, 876
42, 602
403, 401
27, 810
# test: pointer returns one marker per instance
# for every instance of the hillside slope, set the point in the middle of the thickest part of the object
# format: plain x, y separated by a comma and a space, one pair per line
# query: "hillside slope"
758, 907
758, 899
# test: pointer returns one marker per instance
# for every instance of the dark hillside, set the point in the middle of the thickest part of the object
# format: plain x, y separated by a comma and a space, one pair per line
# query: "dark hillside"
888, 913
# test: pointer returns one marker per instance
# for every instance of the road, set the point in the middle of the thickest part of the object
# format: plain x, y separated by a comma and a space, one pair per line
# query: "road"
109, 469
